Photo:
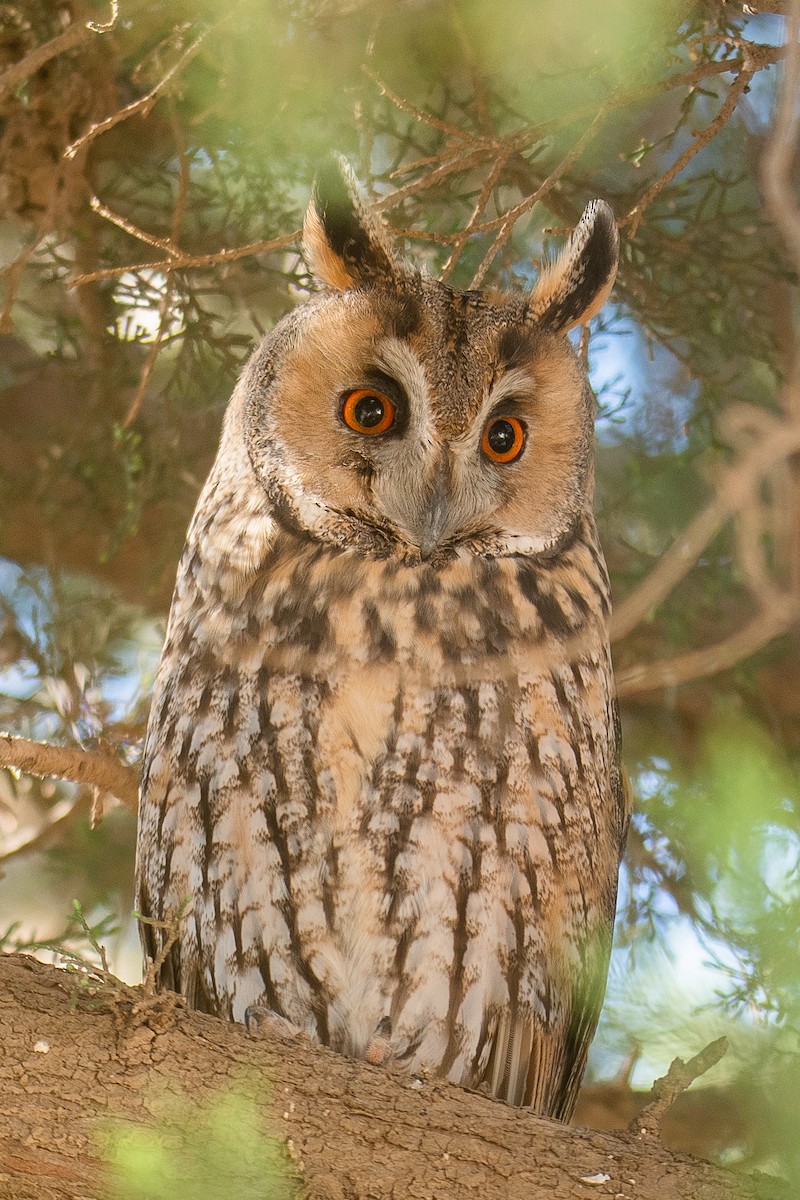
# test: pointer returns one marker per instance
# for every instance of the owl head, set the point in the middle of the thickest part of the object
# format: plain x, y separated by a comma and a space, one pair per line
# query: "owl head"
397, 416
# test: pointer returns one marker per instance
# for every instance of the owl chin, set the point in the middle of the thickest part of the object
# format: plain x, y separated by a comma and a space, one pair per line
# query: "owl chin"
386, 543
369, 541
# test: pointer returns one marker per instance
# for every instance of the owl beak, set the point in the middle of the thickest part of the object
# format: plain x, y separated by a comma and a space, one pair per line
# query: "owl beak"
432, 531
434, 518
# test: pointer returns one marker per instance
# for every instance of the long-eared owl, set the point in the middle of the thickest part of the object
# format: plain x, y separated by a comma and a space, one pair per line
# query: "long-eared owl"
382, 764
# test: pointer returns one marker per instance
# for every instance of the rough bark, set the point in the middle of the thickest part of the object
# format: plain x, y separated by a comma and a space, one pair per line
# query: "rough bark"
355, 1131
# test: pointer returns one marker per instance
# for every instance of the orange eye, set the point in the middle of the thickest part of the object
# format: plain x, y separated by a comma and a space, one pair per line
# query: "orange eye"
367, 411
503, 439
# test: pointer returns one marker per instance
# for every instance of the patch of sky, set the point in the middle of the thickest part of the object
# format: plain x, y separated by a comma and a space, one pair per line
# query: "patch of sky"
140, 298
663, 997
643, 390
112, 648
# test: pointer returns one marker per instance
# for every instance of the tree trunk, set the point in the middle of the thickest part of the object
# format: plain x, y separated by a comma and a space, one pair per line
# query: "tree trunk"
353, 1131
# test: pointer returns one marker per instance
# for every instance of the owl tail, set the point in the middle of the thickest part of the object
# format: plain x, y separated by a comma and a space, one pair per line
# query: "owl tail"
529, 1065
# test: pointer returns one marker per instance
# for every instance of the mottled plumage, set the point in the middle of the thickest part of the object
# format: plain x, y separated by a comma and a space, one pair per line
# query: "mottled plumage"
382, 759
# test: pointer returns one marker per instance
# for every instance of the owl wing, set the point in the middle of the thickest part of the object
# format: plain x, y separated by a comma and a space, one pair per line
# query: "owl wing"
162, 949
172, 974
530, 1064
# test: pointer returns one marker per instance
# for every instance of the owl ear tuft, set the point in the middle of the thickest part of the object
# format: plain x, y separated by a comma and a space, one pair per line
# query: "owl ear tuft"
344, 244
573, 289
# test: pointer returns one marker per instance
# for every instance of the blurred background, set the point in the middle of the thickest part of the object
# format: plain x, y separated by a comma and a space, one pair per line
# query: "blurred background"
155, 162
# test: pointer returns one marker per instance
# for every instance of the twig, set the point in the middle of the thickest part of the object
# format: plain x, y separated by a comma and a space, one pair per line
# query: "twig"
179, 138
419, 114
191, 260
460, 160
13, 274
172, 927
143, 105
506, 223
161, 243
478, 85
92, 984
752, 62
26, 840
677, 1079
164, 321
170, 245
17, 73
72, 765
480, 204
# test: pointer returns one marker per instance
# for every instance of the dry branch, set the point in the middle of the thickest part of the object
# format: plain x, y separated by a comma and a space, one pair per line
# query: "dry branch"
775, 444
754, 59
160, 243
180, 261
710, 660
780, 198
143, 104
678, 1078
71, 764
505, 224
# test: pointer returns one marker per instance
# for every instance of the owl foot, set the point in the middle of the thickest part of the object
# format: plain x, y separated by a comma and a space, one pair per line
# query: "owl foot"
257, 1019
380, 1050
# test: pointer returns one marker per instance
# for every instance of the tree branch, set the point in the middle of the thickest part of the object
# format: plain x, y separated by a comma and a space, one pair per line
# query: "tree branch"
143, 104
73, 765
192, 260
754, 60
678, 1078
781, 204
23, 841
75, 35
710, 660
734, 491
353, 1131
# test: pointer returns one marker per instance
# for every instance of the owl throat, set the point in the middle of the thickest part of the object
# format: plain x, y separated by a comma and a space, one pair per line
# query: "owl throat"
314, 608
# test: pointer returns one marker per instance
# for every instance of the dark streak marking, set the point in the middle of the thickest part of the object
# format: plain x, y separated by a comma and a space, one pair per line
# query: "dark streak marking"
319, 1000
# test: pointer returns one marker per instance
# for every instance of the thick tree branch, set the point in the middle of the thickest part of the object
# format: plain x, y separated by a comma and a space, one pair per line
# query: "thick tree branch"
780, 200
710, 660
354, 1131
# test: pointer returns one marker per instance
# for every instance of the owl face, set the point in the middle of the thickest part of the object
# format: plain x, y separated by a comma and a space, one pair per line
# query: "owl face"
404, 418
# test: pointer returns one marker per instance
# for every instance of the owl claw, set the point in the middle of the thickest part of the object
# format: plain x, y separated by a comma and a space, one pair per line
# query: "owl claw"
380, 1050
257, 1018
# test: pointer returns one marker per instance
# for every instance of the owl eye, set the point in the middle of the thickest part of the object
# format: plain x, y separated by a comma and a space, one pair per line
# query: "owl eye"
367, 411
503, 439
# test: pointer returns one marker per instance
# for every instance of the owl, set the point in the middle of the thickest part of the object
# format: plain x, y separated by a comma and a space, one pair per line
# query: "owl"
381, 780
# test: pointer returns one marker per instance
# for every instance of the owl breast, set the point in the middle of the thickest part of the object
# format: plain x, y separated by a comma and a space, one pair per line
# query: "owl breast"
386, 792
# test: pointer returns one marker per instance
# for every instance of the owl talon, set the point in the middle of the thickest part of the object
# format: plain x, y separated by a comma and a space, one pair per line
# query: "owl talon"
258, 1019
380, 1050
